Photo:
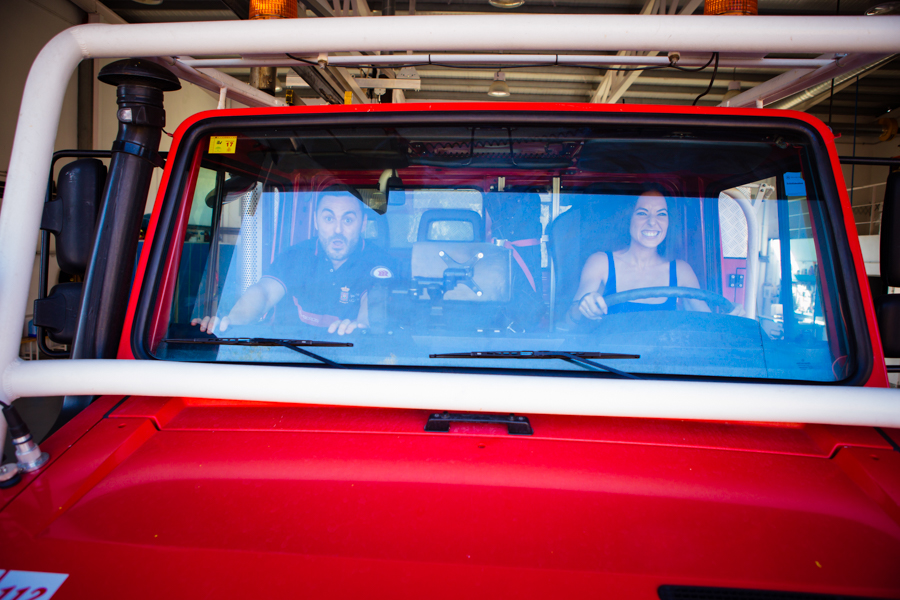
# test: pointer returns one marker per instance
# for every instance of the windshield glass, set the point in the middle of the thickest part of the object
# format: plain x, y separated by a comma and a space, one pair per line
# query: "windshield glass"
696, 252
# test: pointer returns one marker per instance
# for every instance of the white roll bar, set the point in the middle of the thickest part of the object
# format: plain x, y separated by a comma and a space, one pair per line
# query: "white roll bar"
461, 392
36, 132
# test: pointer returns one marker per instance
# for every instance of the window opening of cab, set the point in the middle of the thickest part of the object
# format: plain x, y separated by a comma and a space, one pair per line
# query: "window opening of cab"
428, 241
165, 296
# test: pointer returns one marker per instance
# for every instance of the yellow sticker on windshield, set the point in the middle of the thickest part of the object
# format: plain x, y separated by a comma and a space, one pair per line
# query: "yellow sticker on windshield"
222, 144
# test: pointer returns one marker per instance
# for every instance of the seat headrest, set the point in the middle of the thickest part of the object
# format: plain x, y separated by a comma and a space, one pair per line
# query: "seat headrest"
450, 225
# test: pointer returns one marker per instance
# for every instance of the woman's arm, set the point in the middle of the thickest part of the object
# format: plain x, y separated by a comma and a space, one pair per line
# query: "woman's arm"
687, 278
588, 301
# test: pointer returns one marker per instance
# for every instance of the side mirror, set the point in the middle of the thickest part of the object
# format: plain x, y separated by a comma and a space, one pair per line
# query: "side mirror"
887, 307
57, 314
72, 217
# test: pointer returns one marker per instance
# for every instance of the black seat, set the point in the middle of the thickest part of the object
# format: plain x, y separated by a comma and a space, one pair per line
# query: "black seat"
594, 223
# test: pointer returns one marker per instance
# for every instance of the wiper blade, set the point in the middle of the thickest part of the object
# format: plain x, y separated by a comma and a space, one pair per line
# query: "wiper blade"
294, 345
578, 358
532, 354
246, 341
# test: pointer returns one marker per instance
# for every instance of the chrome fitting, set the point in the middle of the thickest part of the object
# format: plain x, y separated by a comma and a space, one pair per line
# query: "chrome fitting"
29, 454
9, 475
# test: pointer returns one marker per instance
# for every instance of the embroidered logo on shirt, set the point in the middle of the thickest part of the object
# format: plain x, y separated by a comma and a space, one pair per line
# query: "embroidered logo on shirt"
345, 295
381, 273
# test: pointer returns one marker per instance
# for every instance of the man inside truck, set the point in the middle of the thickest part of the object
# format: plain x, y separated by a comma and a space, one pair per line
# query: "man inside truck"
324, 280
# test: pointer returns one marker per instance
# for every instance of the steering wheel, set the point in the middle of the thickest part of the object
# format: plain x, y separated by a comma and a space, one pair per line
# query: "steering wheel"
712, 299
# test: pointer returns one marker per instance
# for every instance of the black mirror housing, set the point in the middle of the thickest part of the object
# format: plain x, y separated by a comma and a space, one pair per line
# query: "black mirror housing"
72, 217
58, 312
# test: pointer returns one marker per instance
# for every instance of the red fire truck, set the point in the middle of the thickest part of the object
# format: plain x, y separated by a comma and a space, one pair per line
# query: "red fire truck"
457, 349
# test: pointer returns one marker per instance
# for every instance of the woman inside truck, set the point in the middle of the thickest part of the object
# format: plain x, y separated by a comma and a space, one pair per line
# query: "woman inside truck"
640, 265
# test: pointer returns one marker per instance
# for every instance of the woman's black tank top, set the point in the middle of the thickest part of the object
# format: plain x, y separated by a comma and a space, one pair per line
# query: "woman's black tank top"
626, 307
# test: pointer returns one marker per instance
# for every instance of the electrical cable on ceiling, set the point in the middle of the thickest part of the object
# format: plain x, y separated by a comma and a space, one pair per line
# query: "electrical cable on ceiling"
711, 80
488, 66
714, 56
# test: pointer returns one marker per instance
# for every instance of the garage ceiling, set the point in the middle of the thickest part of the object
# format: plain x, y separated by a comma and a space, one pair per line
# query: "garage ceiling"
874, 94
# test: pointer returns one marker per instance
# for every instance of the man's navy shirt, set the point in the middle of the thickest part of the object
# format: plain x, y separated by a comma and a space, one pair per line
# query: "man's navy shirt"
318, 293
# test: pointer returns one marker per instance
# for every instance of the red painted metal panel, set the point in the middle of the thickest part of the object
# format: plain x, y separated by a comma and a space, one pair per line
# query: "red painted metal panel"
307, 511
277, 499
187, 414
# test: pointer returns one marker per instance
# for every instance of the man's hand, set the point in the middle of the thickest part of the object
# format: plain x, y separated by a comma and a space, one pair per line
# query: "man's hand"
208, 324
259, 298
345, 327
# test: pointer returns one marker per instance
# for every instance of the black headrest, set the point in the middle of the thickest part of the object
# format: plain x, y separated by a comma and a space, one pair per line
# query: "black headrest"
590, 225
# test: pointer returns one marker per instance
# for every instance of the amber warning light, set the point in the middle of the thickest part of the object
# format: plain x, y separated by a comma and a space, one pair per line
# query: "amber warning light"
273, 9
730, 7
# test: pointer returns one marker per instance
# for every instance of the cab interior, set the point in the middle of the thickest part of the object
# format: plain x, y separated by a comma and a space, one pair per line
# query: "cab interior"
489, 228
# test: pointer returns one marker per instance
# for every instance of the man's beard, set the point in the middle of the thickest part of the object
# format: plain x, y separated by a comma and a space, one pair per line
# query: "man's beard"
342, 253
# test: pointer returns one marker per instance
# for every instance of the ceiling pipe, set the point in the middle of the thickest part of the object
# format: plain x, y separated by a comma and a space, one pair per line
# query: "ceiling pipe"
817, 93
512, 59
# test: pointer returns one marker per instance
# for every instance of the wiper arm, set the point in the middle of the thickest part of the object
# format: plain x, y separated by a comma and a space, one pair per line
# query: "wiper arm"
294, 345
578, 358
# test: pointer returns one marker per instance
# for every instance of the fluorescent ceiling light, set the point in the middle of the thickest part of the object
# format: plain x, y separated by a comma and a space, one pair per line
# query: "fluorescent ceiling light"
506, 3
499, 87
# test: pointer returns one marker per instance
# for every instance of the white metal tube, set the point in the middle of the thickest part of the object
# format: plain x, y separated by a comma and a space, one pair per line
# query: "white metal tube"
469, 33
515, 89
466, 392
214, 81
510, 59
798, 80
26, 184
49, 75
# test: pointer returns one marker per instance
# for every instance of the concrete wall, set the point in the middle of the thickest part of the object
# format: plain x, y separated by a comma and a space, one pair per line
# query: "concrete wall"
25, 26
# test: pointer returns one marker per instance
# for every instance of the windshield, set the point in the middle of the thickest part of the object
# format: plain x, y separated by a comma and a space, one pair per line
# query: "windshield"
690, 252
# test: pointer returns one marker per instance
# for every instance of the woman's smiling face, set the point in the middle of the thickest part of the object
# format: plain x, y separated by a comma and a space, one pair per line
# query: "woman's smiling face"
650, 220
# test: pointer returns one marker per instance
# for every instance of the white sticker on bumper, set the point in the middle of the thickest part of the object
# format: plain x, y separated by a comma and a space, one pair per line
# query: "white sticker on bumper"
29, 585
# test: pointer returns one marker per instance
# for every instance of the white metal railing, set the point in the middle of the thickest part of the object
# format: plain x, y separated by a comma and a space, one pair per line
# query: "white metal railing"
36, 132
592, 60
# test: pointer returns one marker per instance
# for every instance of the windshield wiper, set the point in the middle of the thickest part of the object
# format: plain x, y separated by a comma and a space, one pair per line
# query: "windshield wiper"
578, 358
290, 344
